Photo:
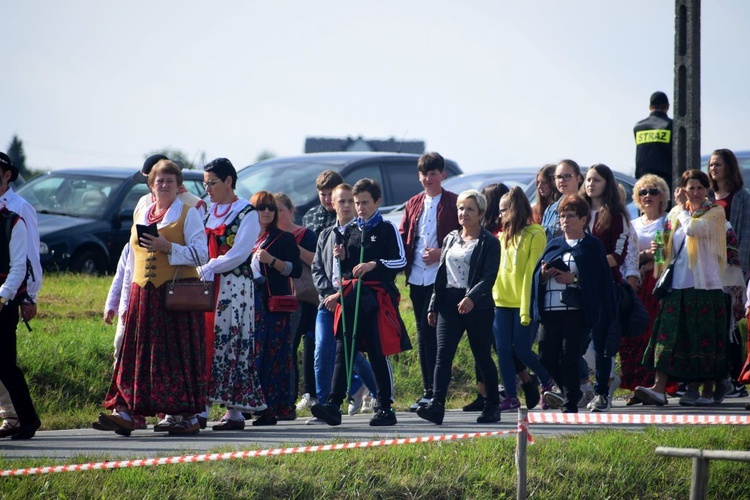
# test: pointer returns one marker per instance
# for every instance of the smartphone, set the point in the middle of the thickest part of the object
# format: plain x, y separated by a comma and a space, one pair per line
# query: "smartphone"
142, 229
558, 264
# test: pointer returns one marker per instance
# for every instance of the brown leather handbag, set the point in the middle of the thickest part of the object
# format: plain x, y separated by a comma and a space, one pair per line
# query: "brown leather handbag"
190, 295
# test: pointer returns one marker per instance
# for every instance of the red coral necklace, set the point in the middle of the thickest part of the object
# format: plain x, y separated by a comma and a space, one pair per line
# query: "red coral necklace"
154, 216
225, 212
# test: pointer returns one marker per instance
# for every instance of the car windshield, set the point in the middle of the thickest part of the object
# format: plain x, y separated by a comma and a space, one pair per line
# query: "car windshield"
297, 180
461, 183
73, 195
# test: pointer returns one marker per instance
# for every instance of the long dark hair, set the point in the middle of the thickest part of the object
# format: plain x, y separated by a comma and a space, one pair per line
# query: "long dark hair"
517, 217
547, 172
732, 174
493, 193
612, 204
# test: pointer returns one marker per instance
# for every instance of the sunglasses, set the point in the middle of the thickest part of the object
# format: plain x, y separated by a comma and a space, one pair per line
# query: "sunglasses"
270, 207
652, 192
564, 177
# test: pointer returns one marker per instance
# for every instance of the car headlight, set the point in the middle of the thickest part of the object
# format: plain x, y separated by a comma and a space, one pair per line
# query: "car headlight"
43, 248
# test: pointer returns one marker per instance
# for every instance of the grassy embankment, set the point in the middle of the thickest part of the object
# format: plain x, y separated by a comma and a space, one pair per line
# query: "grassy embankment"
67, 360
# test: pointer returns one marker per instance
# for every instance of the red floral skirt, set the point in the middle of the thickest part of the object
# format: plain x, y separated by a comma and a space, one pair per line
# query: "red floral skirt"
161, 367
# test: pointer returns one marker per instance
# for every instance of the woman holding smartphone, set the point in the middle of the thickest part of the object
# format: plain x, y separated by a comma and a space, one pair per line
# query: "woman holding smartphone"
572, 288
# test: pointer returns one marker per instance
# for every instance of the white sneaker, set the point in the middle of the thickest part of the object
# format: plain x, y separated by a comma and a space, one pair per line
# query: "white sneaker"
357, 400
315, 421
307, 401
587, 399
600, 403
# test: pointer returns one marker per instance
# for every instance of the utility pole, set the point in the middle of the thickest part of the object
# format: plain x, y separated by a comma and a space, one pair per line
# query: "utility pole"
686, 143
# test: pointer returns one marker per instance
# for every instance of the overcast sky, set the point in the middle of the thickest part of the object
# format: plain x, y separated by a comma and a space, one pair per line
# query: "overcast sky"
490, 84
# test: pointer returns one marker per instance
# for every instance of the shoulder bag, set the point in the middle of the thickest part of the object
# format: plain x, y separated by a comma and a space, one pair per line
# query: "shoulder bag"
663, 285
280, 303
190, 295
304, 288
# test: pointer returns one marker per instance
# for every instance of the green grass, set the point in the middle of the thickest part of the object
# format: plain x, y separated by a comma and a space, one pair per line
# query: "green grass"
68, 362
601, 464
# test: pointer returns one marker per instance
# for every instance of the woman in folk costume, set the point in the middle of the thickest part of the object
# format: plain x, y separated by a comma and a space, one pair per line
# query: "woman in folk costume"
689, 336
232, 227
159, 368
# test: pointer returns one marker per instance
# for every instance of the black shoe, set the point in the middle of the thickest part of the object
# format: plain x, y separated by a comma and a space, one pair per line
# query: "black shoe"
26, 431
384, 417
328, 412
265, 418
490, 414
531, 392
433, 412
202, 421
476, 405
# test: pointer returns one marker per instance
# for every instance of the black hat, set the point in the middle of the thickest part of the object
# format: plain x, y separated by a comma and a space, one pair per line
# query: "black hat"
659, 100
150, 162
6, 165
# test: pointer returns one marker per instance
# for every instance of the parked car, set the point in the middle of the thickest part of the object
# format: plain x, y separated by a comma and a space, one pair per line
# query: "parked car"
295, 176
524, 177
85, 214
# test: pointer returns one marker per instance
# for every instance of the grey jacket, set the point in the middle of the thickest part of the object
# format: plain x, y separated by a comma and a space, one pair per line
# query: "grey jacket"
323, 267
739, 218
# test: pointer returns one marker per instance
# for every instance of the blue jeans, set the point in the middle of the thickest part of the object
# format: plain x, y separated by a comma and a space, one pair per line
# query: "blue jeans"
325, 358
325, 353
511, 336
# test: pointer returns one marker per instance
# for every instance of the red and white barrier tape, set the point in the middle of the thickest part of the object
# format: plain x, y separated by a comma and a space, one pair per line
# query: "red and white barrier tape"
123, 464
630, 418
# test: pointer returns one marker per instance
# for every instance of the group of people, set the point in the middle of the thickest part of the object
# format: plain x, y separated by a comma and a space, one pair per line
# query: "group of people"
572, 272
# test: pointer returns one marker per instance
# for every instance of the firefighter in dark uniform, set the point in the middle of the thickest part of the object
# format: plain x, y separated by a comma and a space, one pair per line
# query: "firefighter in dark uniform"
653, 140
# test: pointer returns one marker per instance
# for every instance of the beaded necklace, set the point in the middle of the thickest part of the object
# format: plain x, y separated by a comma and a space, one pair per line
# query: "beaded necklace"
153, 216
229, 207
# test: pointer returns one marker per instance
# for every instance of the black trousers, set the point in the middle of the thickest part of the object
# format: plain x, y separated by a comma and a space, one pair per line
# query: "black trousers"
560, 344
426, 334
380, 367
450, 328
10, 374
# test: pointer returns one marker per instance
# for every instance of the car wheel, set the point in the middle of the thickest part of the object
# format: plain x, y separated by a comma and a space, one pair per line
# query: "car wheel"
88, 262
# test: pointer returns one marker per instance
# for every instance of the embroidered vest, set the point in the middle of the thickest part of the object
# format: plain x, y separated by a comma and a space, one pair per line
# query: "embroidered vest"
154, 267
226, 241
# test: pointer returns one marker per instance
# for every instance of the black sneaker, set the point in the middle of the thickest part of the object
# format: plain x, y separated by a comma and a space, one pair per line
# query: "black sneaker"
490, 414
433, 412
328, 412
738, 390
531, 392
476, 405
384, 417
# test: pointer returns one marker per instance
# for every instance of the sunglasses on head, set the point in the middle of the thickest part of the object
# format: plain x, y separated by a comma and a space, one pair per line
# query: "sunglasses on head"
652, 192
263, 206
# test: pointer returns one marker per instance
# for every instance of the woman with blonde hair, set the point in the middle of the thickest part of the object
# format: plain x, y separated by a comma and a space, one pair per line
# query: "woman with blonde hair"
651, 196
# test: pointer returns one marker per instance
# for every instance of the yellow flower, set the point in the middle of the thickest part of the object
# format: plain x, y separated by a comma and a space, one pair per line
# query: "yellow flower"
230, 240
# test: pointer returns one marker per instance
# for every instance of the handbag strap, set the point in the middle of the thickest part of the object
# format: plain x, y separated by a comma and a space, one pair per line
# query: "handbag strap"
178, 271
265, 273
678, 252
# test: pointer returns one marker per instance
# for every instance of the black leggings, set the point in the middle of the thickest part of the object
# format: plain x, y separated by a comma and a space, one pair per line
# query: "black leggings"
560, 347
10, 374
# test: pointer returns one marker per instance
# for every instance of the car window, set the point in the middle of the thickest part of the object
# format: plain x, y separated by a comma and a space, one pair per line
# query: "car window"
131, 199
295, 179
195, 187
368, 171
70, 195
403, 182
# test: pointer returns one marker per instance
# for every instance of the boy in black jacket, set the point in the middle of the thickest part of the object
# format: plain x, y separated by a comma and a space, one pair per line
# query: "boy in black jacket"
371, 251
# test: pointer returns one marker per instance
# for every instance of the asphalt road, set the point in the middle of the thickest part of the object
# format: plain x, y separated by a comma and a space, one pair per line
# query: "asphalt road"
67, 445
